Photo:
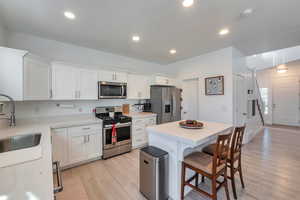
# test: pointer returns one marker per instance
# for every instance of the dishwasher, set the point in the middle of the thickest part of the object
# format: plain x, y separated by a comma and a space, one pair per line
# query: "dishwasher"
154, 173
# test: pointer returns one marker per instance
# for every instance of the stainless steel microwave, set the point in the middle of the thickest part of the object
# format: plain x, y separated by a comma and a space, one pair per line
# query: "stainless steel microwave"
112, 90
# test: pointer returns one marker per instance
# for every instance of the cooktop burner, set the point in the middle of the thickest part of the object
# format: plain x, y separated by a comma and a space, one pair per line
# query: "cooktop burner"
105, 114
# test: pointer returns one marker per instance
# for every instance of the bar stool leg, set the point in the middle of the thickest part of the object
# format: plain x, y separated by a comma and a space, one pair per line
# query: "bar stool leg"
233, 179
182, 180
214, 188
197, 180
226, 185
202, 179
241, 174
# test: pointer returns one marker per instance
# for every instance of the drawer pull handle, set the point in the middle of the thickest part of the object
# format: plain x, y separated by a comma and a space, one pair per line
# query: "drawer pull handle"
146, 162
86, 128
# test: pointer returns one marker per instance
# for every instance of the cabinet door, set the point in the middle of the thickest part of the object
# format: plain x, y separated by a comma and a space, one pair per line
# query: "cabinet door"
60, 146
162, 80
133, 86
77, 148
94, 145
88, 84
64, 82
145, 91
108, 76
36, 79
138, 87
121, 77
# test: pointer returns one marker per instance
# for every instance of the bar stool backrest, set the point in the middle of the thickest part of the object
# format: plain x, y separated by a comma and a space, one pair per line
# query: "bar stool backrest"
221, 151
237, 140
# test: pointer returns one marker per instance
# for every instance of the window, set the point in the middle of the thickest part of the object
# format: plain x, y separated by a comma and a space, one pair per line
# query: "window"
264, 96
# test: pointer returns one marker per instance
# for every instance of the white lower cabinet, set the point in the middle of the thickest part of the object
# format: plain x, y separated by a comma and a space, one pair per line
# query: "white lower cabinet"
139, 133
60, 145
76, 144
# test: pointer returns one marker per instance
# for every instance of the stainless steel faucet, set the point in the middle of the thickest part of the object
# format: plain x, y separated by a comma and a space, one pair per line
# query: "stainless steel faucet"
12, 117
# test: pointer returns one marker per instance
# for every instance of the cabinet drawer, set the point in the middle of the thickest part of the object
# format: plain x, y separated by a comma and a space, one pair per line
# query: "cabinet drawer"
87, 128
151, 121
139, 123
138, 129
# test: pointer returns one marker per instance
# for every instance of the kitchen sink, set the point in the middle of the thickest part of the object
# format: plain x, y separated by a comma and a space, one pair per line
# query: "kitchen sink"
20, 142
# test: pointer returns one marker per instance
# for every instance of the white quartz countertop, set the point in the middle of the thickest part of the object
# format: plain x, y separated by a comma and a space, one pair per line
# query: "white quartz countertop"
193, 137
141, 114
29, 171
42, 126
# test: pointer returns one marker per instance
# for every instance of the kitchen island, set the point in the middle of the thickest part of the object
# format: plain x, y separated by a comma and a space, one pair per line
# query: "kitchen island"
179, 142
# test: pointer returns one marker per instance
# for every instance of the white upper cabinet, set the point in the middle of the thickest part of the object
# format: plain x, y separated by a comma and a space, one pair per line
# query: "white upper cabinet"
88, 84
162, 80
112, 76
138, 87
121, 77
24, 76
64, 82
70, 83
36, 79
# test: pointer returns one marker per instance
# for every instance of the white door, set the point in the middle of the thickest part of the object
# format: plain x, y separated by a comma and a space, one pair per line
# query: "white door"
88, 84
64, 82
190, 99
36, 79
240, 100
286, 100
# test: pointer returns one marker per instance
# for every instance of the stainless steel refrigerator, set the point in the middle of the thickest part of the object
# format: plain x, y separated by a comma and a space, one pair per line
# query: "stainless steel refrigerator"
166, 103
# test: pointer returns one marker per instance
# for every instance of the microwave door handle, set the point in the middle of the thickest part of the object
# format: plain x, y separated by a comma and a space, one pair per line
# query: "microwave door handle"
123, 93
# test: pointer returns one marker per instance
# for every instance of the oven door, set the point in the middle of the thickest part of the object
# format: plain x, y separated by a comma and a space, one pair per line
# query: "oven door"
110, 90
123, 135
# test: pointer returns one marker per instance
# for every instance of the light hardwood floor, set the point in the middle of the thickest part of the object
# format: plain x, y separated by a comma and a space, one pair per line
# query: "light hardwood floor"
271, 166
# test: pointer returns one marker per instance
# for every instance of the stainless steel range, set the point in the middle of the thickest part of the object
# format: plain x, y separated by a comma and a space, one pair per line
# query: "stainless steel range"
116, 131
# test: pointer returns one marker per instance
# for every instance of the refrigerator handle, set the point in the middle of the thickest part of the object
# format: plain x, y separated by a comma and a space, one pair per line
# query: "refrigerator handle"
173, 105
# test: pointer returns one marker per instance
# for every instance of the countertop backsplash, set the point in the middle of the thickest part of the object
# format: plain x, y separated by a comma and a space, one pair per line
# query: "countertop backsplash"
33, 109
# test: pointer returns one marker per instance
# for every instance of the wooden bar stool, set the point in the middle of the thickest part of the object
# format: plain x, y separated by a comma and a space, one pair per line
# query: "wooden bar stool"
235, 156
209, 166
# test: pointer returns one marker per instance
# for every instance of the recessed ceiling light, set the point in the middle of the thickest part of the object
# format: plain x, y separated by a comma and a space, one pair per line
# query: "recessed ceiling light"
224, 31
172, 51
136, 38
248, 11
69, 15
187, 3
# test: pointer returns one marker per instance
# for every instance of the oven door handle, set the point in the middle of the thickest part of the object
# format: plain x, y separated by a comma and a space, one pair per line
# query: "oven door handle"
106, 127
60, 186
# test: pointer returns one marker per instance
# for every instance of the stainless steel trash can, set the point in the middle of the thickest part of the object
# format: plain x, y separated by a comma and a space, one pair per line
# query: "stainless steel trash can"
154, 173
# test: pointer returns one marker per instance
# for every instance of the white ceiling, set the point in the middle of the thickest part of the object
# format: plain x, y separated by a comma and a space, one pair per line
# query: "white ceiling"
108, 25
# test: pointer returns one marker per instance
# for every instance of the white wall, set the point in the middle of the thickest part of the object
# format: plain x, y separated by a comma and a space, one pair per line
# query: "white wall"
228, 62
33, 109
211, 108
240, 69
3, 35
70, 53
267, 77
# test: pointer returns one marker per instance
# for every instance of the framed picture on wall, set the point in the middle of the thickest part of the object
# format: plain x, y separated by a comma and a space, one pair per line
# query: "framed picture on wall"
214, 85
